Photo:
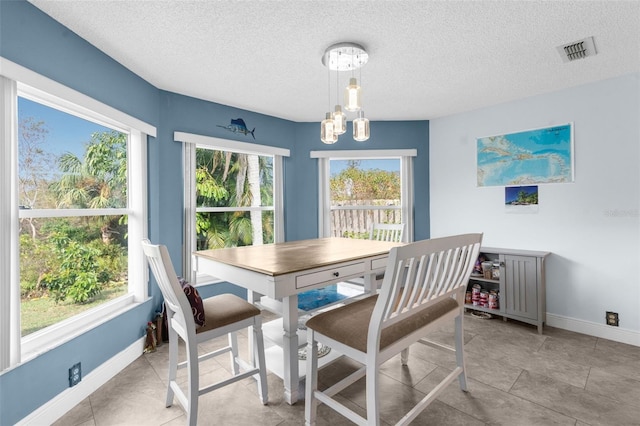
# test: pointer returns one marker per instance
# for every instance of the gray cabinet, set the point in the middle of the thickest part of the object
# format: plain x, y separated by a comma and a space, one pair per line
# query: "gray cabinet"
518, 279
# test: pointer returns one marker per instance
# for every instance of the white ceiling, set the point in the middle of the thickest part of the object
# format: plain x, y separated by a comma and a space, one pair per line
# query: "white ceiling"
428, 59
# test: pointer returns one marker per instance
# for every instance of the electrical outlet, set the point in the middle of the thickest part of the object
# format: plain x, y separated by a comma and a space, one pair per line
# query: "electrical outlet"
75, 374
612, 318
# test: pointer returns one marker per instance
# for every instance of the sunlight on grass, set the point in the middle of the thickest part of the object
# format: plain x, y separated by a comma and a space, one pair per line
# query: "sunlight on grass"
36, 314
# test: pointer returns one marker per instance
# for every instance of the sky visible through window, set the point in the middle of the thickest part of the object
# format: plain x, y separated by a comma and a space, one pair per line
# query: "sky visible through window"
387, 164
66, 132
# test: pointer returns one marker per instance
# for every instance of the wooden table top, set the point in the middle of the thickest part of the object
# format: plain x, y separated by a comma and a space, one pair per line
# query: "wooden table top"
295, 256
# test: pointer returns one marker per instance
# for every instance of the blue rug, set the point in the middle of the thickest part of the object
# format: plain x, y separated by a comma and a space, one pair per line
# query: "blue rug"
314, 299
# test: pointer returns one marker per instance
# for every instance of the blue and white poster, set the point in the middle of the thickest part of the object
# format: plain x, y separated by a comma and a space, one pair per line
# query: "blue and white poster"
526, 158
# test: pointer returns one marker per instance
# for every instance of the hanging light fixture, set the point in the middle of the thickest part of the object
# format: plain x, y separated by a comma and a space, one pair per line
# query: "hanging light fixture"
339, 117
327, 128
344, 57
353, 96
327, 133
361, 127
360, 124
339, 121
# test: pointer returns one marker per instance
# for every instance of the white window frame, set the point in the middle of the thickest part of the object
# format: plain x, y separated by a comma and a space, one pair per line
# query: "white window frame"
192, 141
19, 81
406, 178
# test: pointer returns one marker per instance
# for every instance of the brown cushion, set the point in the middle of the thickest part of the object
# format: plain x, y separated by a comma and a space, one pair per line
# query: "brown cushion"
226, 309
349, 324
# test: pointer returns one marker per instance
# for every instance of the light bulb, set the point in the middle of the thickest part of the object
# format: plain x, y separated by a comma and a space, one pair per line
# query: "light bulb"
327, 133
339, 121
352, 96
361, 128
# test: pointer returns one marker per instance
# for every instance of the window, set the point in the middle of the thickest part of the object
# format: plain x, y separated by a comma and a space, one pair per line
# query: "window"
73, 213
233, 195
359, 188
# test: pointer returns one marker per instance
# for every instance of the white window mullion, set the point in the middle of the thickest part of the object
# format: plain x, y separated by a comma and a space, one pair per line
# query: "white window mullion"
137, 217
278, 198
324, 201
406, 196
51, 213
189, 167
9, 225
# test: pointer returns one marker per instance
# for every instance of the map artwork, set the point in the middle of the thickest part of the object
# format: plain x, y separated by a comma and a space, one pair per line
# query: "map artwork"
525, 158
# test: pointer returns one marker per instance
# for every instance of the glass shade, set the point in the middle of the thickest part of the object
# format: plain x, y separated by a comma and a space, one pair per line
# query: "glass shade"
327, 134
361, 127
352, 96
339, 121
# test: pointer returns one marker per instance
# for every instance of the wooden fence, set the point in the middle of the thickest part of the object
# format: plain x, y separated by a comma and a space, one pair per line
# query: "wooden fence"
352, 222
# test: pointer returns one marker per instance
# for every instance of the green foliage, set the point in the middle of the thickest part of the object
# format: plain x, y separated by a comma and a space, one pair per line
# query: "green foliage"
33, 261
354, 183
99, 179
75, 258
524, 198
224, 179
69, 261
82, 269
76, 275
356, 235
208, 186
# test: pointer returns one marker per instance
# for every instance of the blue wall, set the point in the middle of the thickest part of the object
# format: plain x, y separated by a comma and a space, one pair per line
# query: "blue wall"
30, 38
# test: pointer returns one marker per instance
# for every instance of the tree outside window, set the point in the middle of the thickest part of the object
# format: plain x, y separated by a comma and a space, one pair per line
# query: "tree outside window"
71, 259
363, 192
234, 199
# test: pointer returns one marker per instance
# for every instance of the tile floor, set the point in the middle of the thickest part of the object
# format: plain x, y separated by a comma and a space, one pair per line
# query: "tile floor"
517, 377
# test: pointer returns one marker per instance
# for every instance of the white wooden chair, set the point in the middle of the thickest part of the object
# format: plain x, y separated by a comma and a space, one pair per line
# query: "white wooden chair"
424, 285
387, 232
224, 314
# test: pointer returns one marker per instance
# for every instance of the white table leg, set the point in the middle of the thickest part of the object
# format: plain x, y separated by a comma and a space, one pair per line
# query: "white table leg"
370, 284
290, 348
252, 297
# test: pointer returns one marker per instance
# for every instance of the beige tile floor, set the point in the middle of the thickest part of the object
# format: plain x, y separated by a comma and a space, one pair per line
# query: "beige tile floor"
517, 377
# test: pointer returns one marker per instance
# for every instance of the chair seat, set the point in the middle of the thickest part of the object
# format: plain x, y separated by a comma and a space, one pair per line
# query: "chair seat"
225, 309
349, 324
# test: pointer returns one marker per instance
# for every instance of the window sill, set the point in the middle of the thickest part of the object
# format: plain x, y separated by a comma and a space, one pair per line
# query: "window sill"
44, 340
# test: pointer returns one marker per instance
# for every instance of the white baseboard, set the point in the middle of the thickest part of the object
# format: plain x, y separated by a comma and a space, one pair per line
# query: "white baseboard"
65, 401
617, 334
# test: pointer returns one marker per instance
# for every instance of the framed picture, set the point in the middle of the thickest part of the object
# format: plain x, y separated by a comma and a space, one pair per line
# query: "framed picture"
521, 199
525, 158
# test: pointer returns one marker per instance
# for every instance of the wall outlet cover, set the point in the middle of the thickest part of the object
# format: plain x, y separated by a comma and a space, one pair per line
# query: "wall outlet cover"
75, 374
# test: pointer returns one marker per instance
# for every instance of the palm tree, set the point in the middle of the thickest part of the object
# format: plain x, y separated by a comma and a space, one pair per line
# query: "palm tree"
96, 181
225, 179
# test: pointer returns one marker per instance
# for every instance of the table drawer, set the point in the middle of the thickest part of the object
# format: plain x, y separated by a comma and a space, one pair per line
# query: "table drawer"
379, 263
329, 274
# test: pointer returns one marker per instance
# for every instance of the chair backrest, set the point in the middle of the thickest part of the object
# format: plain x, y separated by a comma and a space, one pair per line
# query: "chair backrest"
387, 232
174, 298
421, 274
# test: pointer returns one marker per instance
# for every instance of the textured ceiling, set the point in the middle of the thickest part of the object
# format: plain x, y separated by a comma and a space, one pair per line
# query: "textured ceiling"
428, 59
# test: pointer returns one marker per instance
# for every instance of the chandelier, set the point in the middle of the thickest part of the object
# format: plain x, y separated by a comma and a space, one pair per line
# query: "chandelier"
345, 57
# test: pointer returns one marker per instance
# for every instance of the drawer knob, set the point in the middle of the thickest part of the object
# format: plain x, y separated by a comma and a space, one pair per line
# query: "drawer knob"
336, 274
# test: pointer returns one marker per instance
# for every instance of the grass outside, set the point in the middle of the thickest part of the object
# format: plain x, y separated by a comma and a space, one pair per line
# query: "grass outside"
36, 314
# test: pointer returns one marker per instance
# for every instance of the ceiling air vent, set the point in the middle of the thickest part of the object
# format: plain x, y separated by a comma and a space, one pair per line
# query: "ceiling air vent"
577, 50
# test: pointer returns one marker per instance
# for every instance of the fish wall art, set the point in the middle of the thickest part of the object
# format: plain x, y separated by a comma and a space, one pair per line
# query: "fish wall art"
239, 126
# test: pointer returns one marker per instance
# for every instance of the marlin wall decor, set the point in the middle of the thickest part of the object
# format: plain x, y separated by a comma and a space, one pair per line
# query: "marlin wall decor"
238, 126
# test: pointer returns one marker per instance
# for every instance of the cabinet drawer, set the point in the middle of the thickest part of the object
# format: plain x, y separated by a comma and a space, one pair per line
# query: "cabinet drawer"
379, 263
329, 274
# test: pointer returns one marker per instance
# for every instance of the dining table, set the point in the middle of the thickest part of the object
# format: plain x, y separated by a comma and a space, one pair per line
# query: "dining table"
278, 272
